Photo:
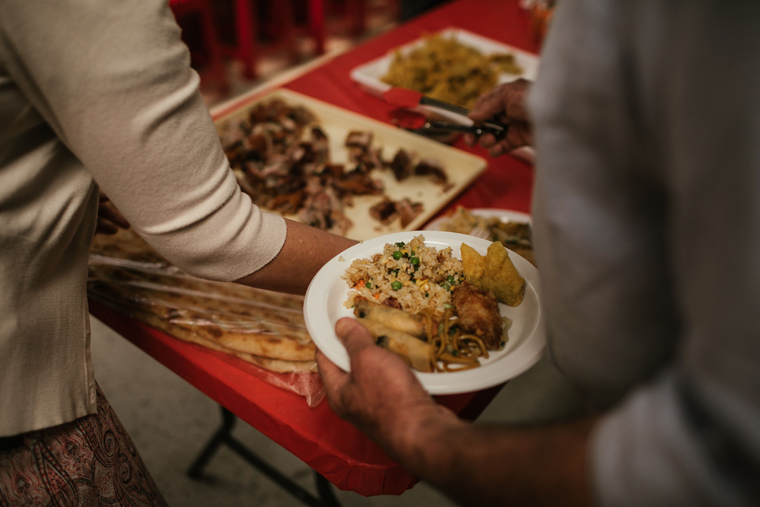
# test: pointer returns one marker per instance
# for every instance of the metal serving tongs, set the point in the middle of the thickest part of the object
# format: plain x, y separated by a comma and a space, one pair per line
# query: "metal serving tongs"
417, 122
438, 127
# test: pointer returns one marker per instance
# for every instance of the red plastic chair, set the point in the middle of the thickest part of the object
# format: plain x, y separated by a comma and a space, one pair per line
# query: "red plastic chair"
357, 12
203, 10
283, 20
279, 24
245, 27
317, 24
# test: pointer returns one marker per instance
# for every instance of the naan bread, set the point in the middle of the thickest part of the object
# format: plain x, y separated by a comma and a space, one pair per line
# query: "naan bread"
262, 327
190, 334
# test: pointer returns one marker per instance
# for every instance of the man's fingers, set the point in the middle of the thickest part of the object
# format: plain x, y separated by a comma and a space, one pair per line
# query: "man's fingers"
470, 139
333, 378
353, 335
497, 150
488, 105
505, 103
518, 135
487, 140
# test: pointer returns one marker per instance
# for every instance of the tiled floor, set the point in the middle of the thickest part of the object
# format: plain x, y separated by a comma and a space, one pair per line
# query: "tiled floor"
170, 420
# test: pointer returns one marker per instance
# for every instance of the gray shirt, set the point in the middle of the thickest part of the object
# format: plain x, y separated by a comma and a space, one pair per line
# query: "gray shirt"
100, 94
647, 232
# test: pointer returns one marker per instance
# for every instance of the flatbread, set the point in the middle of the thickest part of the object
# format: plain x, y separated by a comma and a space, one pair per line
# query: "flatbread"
261, 327
189, 334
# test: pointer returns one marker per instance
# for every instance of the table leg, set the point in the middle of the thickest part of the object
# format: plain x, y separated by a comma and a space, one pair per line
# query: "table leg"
228, 421
223, 436
325, 491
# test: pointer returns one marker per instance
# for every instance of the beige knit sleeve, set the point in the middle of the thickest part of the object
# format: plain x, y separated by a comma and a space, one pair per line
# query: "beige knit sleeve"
113, 80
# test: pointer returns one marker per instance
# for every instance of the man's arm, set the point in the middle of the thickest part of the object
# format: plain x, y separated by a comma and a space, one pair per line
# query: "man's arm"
475, 465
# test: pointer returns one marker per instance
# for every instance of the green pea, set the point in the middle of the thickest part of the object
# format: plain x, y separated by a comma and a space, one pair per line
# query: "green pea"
446, 286
368, 285
396, 285
450, 279
415, 261
397, 255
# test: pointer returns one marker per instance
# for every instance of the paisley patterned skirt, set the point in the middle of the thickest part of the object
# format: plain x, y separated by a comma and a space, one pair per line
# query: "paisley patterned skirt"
90, 461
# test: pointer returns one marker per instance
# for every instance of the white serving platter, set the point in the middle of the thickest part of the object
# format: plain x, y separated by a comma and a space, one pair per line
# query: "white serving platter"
461, 167
369, 75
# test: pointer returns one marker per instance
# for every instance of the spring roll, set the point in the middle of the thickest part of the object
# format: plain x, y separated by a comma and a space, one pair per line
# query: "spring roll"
393, 318
415, 352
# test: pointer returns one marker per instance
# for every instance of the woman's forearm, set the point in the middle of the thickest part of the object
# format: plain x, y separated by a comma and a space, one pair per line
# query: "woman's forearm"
305, 251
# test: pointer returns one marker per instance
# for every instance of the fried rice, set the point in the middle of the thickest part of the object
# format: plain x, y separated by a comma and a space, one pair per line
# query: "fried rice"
410, 276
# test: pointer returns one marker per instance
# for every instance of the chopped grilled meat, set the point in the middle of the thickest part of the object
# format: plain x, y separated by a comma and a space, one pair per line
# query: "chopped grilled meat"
322, 209
355, 183
302, 115
384, 211
321, 146
281, 158
432, 167
287, 203
374, 159
259, 146
359, 139
408, 210
401, 165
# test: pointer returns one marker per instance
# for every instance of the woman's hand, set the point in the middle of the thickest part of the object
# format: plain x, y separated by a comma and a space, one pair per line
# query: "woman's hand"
505, 104
110, 220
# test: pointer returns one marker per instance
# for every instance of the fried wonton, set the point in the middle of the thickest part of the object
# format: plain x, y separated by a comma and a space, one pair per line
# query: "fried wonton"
494, 272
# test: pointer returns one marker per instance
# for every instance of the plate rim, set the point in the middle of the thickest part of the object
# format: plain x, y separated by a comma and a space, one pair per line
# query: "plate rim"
482, 212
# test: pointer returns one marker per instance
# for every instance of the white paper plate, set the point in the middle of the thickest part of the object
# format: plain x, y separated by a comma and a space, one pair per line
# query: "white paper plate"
503, 215
323, 307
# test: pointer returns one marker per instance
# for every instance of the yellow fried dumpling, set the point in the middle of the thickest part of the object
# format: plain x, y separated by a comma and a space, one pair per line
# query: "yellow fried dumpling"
502, 277
495, 273
474, 264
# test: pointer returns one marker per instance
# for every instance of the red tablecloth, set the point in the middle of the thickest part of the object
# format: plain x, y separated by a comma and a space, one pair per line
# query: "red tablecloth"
316, 435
